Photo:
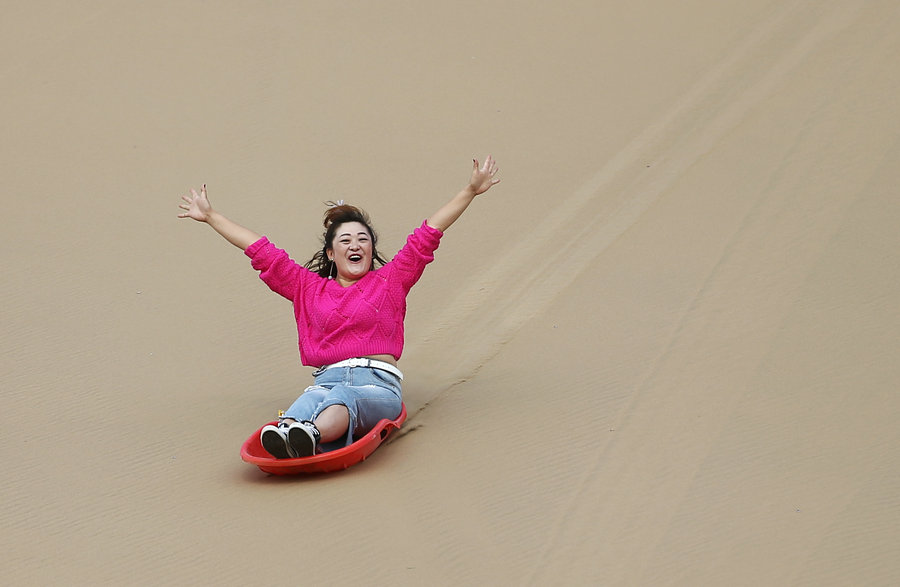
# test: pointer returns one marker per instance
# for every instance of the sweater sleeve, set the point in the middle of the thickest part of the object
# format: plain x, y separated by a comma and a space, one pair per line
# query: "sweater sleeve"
281, 273
409, 263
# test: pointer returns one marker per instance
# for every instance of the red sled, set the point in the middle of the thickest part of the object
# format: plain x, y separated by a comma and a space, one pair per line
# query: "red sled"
253, 452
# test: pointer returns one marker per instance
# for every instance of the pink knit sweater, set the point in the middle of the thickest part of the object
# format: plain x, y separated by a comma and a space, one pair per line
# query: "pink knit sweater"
335, 322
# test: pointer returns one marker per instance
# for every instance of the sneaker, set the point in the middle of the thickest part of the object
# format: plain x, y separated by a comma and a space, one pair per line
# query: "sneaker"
274, 439
302, 438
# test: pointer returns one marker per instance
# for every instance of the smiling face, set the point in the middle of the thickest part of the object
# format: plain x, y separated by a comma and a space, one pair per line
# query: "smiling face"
351, 251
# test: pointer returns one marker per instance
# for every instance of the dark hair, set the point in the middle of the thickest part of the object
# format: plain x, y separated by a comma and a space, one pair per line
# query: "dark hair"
336, 215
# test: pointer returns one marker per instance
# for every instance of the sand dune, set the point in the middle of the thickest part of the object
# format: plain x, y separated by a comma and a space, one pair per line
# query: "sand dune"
663, 351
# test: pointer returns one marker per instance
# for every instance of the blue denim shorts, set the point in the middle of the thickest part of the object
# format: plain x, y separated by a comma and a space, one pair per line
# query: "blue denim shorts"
369, 394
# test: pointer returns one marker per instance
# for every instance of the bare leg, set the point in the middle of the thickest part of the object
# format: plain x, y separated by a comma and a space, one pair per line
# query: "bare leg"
333, 422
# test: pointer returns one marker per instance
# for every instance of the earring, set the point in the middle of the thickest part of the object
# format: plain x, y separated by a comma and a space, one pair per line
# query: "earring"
333, 267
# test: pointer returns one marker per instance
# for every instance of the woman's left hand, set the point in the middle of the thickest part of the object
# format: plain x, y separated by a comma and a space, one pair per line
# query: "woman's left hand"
483, 176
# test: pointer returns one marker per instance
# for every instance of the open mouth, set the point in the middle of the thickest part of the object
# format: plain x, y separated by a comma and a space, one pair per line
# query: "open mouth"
355, 258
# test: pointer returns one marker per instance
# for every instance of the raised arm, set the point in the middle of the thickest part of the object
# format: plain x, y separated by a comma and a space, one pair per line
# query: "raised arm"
481, 181
197, 207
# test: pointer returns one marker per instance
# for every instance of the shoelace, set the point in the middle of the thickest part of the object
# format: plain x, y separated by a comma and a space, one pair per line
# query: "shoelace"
315, 430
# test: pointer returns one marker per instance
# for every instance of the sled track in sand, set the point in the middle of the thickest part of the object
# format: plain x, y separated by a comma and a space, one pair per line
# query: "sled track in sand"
713, 106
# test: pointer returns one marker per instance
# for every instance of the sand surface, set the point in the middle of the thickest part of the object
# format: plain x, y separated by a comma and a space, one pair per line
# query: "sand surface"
663, 351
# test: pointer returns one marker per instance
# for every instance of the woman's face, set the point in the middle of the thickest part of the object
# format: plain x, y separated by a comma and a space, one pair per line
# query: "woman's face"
351, 251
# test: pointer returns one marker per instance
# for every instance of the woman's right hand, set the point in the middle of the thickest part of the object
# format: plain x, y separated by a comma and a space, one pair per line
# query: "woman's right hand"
197, 205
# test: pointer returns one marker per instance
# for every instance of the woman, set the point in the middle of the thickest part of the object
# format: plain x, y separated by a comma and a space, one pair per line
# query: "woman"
349, 315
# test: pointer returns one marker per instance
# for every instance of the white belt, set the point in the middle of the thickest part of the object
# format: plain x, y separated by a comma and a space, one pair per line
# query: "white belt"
371, 363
